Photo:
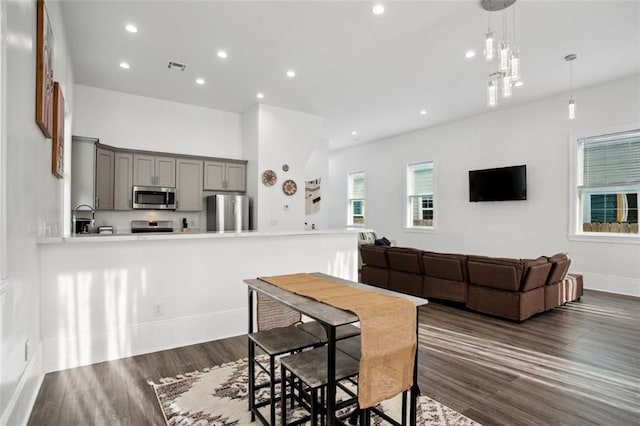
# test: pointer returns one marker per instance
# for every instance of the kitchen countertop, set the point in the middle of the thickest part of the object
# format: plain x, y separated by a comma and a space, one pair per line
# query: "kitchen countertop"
95, 238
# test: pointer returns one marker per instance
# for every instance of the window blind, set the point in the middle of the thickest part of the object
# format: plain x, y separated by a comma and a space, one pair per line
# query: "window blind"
357, 186
421, 179
609, 160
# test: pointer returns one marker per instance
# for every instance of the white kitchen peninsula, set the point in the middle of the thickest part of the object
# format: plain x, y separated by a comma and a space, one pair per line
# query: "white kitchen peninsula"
112, 296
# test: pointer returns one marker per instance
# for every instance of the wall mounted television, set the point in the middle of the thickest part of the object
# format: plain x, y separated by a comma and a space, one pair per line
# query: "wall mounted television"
499, 184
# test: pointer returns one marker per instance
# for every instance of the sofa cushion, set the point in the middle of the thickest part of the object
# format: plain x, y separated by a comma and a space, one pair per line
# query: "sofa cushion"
373, 255
445, 266
405, 259
559, 267
536, 274
495, 275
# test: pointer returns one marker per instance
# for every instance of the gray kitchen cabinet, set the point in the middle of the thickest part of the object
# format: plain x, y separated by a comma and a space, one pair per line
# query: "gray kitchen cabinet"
123, 181
152, 170
225, 176
236, 177
188, 184
104, 179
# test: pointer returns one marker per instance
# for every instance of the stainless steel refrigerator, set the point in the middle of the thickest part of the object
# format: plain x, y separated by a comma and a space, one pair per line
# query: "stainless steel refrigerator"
227, 212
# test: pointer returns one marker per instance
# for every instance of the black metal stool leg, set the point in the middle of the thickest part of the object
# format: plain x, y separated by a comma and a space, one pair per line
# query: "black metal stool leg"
404, 408
283, 395
252, 368
272, 396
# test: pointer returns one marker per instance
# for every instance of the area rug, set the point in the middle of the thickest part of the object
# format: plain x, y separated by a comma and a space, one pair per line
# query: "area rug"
217, 396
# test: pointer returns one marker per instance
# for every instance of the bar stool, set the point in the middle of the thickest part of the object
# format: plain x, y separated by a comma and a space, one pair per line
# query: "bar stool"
316, 329
310, 368
275, 338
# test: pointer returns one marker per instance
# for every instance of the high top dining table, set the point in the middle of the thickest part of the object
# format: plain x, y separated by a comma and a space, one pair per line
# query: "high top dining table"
331, 318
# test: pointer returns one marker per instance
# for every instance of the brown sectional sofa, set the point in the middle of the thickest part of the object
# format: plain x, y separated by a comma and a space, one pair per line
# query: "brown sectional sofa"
509, 288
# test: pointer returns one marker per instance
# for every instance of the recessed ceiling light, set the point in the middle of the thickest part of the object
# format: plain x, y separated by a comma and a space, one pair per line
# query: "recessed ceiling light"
124, 65
260, 95
354, 133
423, 112
470, 54
291, 73
378, 9
222, 54
131, 28
518, 83
200, 81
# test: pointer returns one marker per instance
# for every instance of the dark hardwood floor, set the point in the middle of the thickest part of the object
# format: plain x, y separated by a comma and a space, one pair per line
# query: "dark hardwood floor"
575, 365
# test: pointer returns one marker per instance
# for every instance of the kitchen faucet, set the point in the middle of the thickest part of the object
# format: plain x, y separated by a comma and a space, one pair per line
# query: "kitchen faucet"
75, 217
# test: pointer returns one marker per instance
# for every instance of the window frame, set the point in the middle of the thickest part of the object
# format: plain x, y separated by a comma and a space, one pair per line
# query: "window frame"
408, 221
576, 207
350, 200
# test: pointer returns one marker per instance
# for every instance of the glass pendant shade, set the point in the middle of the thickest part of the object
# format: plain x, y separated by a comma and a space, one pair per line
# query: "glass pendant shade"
506, 86
504, 55
515, 65
489, 46
572, 109
492, 93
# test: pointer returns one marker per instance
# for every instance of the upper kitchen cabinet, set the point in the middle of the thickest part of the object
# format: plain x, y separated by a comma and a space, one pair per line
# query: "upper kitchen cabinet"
225, 176
150, 170
104, 179
83, 164
189, 184
123, 181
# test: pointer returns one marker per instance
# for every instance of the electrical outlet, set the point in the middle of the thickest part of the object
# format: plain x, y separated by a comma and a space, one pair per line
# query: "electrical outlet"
26, 350
158, 309
274, 222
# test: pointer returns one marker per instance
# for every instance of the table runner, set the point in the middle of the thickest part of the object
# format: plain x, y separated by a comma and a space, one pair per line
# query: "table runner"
387, 328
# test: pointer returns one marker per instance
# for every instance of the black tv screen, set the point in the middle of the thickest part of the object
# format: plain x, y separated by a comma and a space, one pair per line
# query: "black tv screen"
501, 184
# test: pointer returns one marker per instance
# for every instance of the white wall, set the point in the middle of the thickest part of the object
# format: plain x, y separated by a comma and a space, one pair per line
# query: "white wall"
137, 122
284, 137
33, 201
535, 134
102, 295
250, 143
318, 168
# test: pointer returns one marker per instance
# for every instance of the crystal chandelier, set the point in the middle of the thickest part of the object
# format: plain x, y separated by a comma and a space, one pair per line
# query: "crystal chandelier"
505, 61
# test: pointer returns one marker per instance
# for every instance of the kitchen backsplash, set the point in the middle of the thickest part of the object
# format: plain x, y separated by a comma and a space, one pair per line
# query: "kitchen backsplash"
121, 220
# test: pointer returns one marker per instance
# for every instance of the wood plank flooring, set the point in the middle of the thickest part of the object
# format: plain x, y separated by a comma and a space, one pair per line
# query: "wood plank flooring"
575, 365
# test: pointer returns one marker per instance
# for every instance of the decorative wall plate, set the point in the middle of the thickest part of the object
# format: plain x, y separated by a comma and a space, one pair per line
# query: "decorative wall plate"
269, 177
285, 167
289, 187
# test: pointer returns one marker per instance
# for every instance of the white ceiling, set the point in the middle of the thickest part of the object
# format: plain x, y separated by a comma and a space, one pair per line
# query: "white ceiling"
358, 71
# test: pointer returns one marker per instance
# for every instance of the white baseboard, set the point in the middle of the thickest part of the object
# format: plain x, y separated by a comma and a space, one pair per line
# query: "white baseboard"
21, 402
612, 284
62, 352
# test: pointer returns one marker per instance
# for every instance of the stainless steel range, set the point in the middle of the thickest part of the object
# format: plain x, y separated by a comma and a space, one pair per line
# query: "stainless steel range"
139, 226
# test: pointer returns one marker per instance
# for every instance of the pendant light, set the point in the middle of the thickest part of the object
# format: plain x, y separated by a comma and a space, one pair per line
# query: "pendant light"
492, 91
489, 41
572, 102
505, 71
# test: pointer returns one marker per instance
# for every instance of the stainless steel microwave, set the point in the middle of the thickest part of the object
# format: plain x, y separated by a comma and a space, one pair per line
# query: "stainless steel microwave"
154, 198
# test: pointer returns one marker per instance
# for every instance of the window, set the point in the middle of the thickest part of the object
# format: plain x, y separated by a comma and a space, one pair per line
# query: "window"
608, 183
420, 204
356, 199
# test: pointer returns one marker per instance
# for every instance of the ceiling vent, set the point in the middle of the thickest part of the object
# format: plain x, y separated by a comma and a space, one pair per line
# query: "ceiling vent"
177, 66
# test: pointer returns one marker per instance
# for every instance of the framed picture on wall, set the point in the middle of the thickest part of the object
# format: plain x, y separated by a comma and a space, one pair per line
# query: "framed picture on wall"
44, 70
57, 141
